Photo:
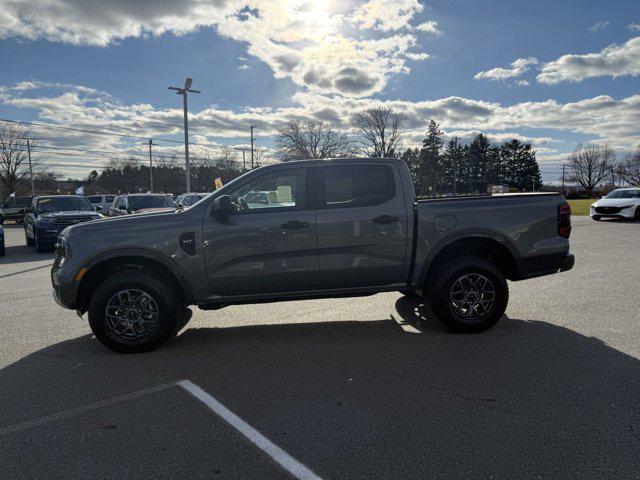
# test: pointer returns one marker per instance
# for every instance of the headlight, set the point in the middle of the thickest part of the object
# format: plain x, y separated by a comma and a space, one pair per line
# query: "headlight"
593, 205
96, 217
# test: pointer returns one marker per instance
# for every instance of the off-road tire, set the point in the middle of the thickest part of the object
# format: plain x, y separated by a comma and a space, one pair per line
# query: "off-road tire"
444, 282
171, 310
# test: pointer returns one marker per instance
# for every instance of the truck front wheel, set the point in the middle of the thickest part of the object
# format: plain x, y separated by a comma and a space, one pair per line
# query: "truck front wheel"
469, 295
133, 312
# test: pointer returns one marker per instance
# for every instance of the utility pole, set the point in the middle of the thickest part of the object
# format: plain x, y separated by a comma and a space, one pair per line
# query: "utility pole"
150, 166
184, 91
533, 184
252, 127
454, 179
33, 189
613, 178
563, 167
244, 160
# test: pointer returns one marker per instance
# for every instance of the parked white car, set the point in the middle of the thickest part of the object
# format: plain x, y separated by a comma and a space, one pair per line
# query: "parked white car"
620, 203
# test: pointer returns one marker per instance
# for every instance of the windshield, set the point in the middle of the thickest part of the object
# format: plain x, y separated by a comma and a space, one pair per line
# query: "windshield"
151, 201
18, 202
63, 204
624, 194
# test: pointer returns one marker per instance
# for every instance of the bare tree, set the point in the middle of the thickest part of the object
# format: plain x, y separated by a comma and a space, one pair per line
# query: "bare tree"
631, 168
379, 130
589, 165
46, 181
13, 155
297, 141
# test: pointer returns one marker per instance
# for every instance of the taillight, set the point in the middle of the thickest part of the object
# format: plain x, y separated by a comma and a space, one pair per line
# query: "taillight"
564, 220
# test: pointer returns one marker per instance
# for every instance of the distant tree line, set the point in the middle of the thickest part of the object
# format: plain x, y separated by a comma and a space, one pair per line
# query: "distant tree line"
129, 176
439, 166
436, 168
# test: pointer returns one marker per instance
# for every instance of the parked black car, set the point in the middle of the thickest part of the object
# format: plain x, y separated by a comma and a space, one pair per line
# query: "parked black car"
47, 216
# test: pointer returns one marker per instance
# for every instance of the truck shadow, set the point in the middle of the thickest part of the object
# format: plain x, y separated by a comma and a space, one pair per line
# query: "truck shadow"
527, 399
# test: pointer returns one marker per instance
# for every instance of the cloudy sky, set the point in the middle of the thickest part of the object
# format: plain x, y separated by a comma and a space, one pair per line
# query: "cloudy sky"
552, 73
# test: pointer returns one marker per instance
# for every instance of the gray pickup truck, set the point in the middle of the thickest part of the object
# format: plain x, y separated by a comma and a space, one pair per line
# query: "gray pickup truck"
343, 227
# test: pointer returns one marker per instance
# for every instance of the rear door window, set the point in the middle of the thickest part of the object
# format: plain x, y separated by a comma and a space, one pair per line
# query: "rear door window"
356, 185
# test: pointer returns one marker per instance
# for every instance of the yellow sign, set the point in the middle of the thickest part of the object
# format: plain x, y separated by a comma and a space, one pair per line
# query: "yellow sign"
218, 183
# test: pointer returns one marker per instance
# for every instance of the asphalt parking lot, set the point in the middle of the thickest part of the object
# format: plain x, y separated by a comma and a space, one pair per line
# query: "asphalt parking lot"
364, 388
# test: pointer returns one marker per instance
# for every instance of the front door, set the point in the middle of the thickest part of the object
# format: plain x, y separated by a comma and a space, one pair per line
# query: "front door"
363, 224
269, 244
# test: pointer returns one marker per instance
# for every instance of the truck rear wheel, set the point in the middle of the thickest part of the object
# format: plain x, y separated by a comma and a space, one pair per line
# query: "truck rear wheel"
134, 312
470, 295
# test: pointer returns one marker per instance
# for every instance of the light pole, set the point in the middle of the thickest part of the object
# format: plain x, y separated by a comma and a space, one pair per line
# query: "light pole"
151, 165
183, 91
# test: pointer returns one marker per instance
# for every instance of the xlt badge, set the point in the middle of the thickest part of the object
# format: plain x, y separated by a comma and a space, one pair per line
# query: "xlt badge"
188, 243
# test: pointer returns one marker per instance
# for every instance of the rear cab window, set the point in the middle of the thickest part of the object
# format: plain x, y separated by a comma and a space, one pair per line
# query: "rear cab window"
343, 186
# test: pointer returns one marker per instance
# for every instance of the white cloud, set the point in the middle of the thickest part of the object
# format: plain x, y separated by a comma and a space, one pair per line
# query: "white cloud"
522, 83
599, 26
96, 22
517, 68
429, 27
634, 27
601, 117
614, 61
385, 15
310, 42
243, 67
417, 56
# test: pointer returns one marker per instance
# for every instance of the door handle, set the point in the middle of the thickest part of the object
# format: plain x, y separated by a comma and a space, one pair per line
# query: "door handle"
294, 225
385, 219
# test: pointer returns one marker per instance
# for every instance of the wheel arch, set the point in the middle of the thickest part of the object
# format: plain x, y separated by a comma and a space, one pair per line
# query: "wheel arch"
489, 246
104, 265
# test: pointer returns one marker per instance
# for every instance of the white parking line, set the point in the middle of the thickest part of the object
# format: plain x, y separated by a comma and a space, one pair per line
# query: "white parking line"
278, 455
18, 427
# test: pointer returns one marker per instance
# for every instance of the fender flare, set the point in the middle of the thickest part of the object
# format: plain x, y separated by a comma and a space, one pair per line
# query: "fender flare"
169, 264
464, 235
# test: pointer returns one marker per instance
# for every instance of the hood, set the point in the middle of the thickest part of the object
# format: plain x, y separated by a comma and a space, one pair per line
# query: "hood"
72, 213
617, 202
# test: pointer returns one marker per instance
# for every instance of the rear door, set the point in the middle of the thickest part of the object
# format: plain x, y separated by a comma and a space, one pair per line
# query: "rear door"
362, 224
264, 247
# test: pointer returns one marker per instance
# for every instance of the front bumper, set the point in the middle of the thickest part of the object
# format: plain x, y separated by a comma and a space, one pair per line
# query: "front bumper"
65, 292
628, 212
48, 233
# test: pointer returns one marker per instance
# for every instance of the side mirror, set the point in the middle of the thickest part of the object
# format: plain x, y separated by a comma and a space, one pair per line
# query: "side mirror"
222, 207
97, 207
180, 206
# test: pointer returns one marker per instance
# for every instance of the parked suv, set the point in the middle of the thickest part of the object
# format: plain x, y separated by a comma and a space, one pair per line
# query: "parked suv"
15, 208
101, 203
343, 227
141, 203
49, 215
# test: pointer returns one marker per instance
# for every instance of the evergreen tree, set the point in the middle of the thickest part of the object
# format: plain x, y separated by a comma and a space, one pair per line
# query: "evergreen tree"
429, 160
453, 167
481, 160
410, 157
520, 167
